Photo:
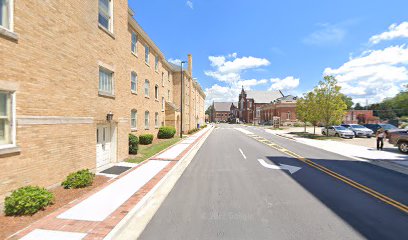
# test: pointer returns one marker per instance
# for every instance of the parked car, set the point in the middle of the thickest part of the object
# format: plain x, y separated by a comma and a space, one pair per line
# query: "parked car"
385, 126
338, 131
359, 131
400, 139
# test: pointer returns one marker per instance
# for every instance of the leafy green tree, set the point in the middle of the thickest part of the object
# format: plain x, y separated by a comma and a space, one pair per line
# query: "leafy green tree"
358, 107
348, 100
329, 101
308, 111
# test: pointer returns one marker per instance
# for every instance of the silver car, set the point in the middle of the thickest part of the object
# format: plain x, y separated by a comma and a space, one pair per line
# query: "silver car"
359, 130
338, 131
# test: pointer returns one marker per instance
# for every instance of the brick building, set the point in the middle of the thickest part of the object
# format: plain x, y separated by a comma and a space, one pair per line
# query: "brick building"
282, 111
76, 80
360, 117
250, 103
221, 111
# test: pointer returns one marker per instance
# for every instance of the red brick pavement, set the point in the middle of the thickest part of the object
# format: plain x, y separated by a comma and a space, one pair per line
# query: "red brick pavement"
99, 230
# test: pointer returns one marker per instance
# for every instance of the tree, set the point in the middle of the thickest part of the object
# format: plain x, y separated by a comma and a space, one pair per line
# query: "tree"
329, 101
348, 100
308, 111
358, 107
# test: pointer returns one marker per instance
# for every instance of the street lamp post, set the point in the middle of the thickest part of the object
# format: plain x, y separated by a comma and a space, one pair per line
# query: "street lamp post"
181, 99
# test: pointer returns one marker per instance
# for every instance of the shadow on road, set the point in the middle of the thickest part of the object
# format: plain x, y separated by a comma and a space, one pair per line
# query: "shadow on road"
368, 215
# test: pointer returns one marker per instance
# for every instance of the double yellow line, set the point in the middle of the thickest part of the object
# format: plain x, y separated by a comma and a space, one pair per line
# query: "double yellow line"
340, 177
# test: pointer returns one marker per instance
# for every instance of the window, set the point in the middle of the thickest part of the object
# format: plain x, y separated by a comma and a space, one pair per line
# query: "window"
6, 14
168, 76
105, 81
7, 124
105, 14
156, 92
162, 79
147, 120
146, 88
133, 119
168, 95
156, 63
147, 54
134, 43
133, 82
156, 120
163, 103
288, 116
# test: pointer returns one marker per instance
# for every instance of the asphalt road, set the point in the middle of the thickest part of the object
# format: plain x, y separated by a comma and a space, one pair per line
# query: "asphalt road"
226, 194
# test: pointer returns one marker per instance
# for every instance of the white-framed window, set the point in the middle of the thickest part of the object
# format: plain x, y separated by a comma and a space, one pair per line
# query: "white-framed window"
134, 43
7, 119
146, 87
147, 121
133, 82
288, 116
163, 103
6, 14
133, 119
162, 79
156, 92
156, 120
168, 76
105, 16
147, 52
156, 63
106, 85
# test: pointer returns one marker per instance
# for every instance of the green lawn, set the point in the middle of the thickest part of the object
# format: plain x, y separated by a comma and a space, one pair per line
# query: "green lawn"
312, 136
146, 151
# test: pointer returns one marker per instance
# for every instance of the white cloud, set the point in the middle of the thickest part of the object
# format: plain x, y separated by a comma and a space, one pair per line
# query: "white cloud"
190, 4
328, 34
394, 31
228, 70
287, 83
174, 61
374, 75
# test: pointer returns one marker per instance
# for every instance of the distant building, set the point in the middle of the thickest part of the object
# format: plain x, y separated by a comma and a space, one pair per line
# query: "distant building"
280, 112
250, 103
360, 117
220, 111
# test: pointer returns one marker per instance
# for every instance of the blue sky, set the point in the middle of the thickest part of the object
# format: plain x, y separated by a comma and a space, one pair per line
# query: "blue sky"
287, 45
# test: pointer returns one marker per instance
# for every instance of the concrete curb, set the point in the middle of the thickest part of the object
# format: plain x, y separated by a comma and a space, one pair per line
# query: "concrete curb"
134, 223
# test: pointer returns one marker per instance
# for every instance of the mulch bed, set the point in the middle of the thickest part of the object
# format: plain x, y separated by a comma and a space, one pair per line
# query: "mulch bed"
10, 225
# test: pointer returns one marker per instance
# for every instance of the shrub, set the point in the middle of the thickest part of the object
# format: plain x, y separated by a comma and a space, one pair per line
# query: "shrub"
80, 179
133, 144
203, 126
146, 139
27, 201
166, 132
192, 130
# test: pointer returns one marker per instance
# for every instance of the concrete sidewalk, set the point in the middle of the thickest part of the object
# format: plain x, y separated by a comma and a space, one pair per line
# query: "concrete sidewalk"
388, 158
95, 215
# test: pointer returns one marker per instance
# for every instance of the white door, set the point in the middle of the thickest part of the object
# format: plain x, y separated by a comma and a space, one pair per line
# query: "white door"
103, 145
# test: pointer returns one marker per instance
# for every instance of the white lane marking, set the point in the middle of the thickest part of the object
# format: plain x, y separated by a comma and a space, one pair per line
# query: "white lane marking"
243, 131
242, 153
291, 169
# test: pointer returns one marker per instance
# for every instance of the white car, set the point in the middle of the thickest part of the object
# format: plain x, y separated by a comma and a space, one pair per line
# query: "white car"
338, 131
359, 130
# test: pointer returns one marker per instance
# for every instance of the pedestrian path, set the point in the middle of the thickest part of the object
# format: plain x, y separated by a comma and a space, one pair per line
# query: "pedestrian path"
361, 153
97, 213
100, 205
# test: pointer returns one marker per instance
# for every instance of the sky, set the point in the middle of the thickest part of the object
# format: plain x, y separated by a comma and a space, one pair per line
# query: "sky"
284, 45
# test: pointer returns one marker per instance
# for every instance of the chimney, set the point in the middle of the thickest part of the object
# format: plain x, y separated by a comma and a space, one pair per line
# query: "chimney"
190, 64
